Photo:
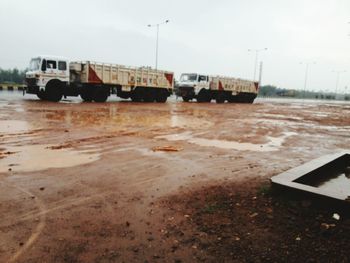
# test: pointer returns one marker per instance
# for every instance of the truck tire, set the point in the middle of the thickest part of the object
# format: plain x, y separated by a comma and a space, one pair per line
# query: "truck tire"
100, 95
220, 97
149, 96
86, 95
161, 96
203, 96
137, 95
231, 99
251, 100
208, 97
185, 99
41, 95
135, 99
53, 91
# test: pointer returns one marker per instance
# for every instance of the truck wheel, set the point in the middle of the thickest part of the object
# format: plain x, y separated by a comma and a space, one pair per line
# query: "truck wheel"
136, 99
161, 96
220, 97
246, 99
208, 97
251, 100
185, 99
41, 95
53, 91
148, 96
86, 96
100, 95
231, 99
203, 96
136, 95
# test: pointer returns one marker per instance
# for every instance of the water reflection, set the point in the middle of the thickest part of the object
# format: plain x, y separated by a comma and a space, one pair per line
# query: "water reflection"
116, 116
41, 157
13, 126
273, 144
339, 184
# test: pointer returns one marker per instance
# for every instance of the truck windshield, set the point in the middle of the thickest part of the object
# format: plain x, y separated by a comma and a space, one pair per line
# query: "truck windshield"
188, 77
34, 64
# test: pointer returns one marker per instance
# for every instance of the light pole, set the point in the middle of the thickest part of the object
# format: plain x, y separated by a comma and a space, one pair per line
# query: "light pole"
256, 58
338, 72
157, 25
307, 64
345, 93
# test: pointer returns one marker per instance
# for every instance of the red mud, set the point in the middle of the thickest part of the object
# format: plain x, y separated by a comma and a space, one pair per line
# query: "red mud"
128, 203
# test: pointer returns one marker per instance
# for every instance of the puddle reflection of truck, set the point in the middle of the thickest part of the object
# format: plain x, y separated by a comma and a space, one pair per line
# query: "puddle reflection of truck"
51, 78
205, 88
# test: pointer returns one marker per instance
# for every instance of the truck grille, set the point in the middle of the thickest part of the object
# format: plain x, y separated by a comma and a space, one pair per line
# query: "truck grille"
31, 81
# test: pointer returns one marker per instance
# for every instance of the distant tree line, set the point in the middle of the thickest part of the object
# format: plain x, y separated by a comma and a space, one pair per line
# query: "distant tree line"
12, 76
273, 91
18, 76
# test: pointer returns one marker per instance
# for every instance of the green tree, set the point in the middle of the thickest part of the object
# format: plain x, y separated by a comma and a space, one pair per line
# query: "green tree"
267, 90
12, 76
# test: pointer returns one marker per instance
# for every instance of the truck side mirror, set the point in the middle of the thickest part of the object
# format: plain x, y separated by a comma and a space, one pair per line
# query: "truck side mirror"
43, 65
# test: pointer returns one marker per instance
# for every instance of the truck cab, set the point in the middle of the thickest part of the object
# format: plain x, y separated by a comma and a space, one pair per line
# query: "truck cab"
193, 85
47, 77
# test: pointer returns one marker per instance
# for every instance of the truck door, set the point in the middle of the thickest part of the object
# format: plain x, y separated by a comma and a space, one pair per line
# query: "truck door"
63, 69
203, 81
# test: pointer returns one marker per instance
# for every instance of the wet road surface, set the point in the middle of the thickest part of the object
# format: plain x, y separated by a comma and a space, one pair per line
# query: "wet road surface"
82, 181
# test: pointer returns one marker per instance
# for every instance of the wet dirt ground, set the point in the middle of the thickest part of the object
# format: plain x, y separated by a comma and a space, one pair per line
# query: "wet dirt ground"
114, 182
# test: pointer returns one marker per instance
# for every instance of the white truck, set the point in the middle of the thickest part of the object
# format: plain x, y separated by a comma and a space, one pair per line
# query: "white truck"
204, 88
51, 78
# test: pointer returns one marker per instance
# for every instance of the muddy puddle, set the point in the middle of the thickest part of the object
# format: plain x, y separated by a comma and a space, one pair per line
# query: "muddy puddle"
294, 124
277, 117
184, 122
40, 157
273, 144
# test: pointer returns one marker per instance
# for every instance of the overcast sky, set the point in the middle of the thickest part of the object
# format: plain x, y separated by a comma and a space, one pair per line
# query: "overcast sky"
204, 36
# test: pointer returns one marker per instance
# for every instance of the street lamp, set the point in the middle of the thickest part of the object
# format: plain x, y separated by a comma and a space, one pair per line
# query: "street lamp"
256, 58
307, 64
157, 25
338, 72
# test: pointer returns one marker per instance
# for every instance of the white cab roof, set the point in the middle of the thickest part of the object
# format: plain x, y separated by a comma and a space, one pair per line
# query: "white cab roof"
52, 57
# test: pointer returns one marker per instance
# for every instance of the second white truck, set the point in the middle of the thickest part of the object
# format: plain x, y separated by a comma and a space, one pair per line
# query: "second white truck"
205, 88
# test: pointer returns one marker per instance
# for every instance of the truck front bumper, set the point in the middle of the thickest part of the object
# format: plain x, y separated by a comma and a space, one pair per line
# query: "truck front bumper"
186, 91
32, 87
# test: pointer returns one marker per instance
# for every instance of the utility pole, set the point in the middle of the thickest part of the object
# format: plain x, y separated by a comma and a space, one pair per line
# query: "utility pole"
338, 72
157, 43
307, 65
345, 93
256, 58
260, 72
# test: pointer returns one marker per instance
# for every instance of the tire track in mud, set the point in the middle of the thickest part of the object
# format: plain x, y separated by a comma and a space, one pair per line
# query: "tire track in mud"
38, 229
62, 204
44, 211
